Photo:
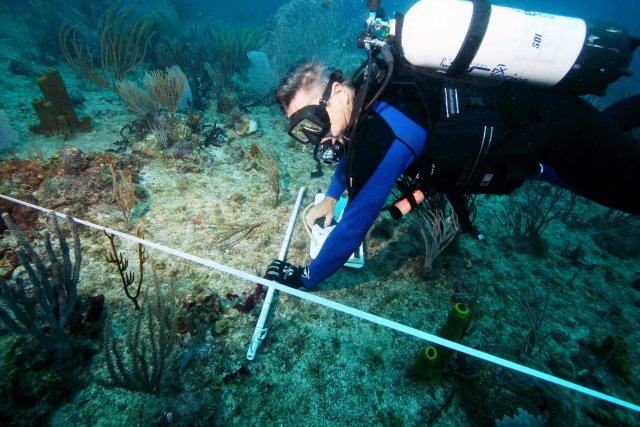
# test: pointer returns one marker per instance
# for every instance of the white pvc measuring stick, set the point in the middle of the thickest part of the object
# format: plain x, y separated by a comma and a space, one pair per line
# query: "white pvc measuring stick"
316, 299
261, 332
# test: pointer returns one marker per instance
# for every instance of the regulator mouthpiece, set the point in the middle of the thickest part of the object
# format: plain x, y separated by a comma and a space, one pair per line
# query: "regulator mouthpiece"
330, 151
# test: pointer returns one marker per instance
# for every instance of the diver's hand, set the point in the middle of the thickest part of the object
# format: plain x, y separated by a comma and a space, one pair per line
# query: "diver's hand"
325, 209
285, 273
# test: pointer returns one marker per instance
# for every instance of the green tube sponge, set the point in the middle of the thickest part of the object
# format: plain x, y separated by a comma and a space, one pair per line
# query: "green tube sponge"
432, 360
426, 367
456, 323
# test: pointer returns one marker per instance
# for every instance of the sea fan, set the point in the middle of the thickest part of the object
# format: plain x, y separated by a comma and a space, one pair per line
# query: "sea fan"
522, 419
8, 135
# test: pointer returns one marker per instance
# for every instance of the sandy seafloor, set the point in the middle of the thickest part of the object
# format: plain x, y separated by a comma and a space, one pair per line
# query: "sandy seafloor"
318, 367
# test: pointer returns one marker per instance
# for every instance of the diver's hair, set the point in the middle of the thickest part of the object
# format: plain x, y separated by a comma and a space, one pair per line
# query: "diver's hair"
311, 75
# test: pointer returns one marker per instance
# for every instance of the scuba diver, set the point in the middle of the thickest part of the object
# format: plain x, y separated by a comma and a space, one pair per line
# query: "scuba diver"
455, 135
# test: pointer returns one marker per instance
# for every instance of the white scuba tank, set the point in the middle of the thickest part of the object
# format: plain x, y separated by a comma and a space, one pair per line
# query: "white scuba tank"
482, 41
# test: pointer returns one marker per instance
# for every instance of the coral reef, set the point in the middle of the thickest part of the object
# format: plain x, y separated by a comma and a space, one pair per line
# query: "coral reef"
79, 179
213, 178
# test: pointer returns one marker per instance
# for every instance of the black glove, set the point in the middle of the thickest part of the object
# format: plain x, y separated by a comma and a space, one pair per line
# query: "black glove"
285, 273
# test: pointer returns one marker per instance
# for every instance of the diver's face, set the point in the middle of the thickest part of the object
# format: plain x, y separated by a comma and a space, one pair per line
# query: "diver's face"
338, 107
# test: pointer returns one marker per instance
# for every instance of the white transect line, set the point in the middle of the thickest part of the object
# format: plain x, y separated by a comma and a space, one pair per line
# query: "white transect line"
260, 332
351, 311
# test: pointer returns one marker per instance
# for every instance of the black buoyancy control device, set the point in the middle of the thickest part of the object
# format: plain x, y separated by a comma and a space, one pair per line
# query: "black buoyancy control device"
476, 40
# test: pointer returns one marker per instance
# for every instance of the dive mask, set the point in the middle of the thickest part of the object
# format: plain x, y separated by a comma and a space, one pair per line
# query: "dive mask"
310, 123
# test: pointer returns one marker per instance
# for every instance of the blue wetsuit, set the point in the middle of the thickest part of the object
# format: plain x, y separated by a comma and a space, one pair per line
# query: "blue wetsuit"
394, 141
581, 149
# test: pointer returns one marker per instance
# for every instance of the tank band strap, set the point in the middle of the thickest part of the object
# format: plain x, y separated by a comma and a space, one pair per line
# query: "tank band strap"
472, 41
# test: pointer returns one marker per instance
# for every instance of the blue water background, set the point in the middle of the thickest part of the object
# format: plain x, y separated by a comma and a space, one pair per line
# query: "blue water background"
623, 12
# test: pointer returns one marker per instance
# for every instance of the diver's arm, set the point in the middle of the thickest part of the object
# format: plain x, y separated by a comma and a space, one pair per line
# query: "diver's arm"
359, 216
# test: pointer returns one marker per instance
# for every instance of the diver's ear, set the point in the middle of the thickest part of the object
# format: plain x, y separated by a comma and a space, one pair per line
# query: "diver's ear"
337, 88
338, 91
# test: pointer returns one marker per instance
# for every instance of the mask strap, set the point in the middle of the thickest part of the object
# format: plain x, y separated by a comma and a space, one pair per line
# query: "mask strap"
336, 76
